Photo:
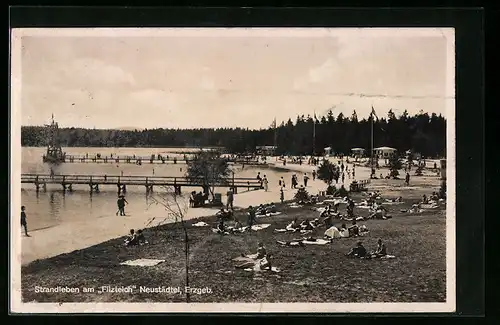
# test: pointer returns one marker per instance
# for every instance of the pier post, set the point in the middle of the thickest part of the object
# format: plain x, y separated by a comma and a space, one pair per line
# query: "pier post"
37, 186
124, 189
91, 188
235, 189
64, 187
44, 187
70, 187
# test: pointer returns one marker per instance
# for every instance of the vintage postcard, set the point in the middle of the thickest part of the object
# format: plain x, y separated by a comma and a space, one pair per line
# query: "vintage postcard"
233, 170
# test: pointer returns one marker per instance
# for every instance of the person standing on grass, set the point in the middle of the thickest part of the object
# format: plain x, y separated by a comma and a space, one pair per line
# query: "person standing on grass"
251, 216
24, 224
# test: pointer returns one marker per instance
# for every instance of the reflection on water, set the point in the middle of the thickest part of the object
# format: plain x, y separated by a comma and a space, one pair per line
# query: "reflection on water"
53, 207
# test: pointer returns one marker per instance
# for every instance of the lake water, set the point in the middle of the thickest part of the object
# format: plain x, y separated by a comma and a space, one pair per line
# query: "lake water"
61, 222
53, 207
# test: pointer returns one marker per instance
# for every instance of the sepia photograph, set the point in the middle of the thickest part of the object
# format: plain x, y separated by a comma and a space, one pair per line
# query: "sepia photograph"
233, 170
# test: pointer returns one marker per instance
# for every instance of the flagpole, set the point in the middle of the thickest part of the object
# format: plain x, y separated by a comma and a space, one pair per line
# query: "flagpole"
371, 157
314, 134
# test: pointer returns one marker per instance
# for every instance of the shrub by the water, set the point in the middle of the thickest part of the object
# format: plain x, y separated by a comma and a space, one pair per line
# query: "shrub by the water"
330, 190
301, 195
395, 165
341, 192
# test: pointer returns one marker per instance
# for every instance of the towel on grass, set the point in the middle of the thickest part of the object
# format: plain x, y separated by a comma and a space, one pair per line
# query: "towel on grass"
258, 269
142, 262
268, 214
316, 242
387, 257
200, 224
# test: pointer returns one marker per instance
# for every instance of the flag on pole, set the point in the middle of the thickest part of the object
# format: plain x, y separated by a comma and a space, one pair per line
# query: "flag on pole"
374, 114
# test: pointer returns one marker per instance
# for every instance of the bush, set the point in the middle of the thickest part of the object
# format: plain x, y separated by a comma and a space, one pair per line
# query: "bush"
301, 195
330, 190
395, 165
341, 192
442, 190
327, 172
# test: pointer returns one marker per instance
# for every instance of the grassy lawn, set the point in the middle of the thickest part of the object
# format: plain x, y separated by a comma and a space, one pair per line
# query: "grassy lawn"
313, 273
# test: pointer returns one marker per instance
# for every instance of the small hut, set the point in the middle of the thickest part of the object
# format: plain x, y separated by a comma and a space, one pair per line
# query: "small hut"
358, 152
384, 152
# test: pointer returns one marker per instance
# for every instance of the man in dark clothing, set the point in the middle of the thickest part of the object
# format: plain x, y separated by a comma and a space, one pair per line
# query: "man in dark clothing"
251, 216
407, 179
24, 224
358, 251
121, 205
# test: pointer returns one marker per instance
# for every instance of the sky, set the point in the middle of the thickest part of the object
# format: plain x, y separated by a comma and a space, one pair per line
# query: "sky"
195, 78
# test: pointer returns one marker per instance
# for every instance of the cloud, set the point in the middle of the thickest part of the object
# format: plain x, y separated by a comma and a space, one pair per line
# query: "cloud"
95, 71
316, 75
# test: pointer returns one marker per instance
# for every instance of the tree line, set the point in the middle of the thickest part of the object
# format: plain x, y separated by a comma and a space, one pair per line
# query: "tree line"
422, 133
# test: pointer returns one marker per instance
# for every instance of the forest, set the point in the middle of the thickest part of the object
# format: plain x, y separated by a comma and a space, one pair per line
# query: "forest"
422, 133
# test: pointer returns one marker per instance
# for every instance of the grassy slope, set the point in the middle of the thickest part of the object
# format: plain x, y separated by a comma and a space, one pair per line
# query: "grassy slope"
312, 273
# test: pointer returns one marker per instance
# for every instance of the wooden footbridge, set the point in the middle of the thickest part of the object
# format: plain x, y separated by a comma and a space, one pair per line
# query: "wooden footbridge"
150, 160
121, 182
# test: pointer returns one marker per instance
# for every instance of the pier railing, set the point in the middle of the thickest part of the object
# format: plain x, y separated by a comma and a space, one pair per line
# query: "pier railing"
136, 180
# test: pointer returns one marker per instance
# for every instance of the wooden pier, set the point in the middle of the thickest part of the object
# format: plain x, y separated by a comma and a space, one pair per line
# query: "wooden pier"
136, 160
121, 182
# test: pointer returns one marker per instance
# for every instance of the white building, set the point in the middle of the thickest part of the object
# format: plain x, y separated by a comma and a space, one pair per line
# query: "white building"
358, 152
384, 152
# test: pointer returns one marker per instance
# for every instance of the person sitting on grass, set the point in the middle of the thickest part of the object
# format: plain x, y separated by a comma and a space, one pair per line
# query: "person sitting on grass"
265, 262
140, 237
327, 220
271, 208
293, 226
434, 197
379, 213
131, 239
358, 251
381, 250
261, 252
261, 210
344, 232
221, 228
223, 214
306, 225
353, 229
237, 224
424, 199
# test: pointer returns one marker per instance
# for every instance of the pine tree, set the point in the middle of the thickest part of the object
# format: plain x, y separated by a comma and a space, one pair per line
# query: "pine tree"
395, 165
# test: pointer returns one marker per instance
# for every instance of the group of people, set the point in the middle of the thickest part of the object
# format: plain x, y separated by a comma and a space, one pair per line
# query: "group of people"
135, 238
261, 260
263, 182
197, 199
359, 251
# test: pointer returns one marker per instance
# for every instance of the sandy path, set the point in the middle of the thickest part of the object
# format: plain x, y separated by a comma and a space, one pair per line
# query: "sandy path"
68, 237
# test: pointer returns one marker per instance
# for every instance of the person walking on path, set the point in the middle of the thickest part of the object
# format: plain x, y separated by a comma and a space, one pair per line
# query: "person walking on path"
314, 175
407, 179
230, 199
24, 224
266, 183
306, 178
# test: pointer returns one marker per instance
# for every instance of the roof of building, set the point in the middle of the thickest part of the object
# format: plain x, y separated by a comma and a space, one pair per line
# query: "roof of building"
385, 148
